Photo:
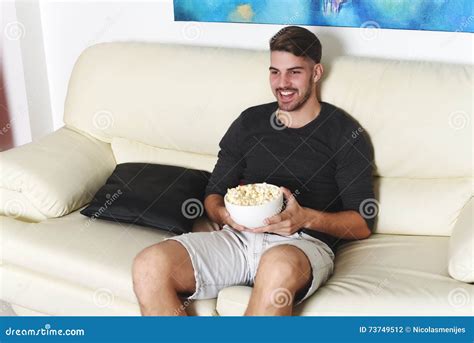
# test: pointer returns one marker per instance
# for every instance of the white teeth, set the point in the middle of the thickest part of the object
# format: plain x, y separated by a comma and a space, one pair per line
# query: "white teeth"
286, 93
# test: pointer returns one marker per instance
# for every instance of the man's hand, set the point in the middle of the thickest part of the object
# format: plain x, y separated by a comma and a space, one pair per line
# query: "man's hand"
287, 222
227, 219
217, 212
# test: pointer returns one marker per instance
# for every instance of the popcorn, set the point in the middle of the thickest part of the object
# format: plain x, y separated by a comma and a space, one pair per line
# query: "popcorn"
252, 194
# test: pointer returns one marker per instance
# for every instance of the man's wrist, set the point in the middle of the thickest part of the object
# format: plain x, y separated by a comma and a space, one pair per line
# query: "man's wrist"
221, 212
313, 218
214, 206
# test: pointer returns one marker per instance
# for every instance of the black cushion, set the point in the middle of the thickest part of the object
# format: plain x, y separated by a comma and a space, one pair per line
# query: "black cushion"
160, 196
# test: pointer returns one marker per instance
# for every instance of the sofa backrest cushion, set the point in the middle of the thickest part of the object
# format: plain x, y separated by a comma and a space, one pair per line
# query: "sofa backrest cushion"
126, 151
418, 114
183, 99
172, 97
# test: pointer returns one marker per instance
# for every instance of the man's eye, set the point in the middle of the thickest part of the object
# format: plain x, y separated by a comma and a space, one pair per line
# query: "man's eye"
274, 72
295, 72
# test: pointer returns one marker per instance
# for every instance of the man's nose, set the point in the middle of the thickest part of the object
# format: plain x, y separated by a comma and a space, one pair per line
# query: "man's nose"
284, 82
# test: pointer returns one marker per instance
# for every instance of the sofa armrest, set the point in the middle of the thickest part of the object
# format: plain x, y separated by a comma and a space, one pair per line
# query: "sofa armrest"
461, 246
53, 176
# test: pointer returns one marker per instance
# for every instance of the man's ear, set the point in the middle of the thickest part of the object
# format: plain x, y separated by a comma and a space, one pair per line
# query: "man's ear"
317, 72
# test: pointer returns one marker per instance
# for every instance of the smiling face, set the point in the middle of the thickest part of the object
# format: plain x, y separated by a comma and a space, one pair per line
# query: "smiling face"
292, 79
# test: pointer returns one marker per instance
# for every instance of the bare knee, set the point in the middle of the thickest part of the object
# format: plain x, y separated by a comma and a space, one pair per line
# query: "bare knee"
155, 260
285, 266
163, 264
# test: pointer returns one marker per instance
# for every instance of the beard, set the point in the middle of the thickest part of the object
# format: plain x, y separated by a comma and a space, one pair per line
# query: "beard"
296, 106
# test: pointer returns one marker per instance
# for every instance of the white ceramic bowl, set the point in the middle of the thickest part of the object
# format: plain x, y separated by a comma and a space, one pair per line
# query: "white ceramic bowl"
253, 216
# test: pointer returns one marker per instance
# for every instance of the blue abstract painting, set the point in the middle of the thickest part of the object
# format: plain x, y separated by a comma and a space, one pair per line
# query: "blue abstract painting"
433, 15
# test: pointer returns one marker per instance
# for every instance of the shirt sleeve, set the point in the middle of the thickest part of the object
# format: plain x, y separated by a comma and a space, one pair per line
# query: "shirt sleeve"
230, 161
354, 176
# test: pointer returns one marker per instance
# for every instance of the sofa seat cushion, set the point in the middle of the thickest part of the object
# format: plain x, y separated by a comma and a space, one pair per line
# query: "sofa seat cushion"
384, 275
52, 296
461, 246
96, 256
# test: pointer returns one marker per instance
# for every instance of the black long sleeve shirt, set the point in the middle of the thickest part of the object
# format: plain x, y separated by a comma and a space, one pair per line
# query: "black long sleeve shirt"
327, 164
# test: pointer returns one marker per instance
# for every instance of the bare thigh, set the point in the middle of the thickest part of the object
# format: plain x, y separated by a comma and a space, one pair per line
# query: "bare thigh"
171, 261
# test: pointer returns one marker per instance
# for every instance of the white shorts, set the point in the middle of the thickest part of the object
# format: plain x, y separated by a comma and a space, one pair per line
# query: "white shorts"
229, 257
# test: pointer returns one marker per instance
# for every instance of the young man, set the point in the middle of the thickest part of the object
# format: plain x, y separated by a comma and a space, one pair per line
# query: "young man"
322, 160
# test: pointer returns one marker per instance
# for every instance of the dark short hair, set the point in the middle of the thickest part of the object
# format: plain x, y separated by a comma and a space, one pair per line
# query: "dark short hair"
298, 41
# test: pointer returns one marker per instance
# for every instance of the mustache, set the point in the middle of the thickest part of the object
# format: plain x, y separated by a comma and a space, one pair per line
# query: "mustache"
286, 89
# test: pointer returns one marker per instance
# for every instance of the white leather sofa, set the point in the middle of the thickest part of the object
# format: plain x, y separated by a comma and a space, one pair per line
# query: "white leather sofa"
148, 102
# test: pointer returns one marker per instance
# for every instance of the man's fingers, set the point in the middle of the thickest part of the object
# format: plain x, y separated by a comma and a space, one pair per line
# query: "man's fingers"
290, 198
268, 228
283, 225
273, 220
236, 226
286, 192
229, 221
261, 229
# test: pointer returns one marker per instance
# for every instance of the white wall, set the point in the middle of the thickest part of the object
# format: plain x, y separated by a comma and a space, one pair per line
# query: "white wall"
14, 83
34, 67
71, 26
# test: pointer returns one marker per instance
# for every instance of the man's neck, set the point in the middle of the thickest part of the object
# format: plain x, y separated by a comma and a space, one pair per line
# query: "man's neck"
307, 113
